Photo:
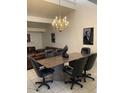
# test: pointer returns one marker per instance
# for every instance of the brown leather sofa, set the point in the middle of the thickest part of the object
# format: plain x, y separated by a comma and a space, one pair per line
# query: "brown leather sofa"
32, 52
39, 54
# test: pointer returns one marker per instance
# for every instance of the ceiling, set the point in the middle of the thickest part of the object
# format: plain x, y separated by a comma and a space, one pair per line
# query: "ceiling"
42, 8
93, 1
45, 9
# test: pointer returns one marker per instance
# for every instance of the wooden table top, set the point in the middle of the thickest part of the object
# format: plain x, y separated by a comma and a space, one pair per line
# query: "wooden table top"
58, 60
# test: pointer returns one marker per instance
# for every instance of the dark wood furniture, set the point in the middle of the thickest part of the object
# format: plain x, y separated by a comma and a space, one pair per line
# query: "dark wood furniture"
40, 54
57, 63
58, 60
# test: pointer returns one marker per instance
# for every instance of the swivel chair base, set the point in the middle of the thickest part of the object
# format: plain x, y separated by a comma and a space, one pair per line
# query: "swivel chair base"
87, 76
43, 83
73, 81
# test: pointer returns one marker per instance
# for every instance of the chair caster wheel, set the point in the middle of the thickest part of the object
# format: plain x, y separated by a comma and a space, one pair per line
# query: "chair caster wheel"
36, 89
89, 74
65, 82
81, 86
38, 82
48, 87
84, 80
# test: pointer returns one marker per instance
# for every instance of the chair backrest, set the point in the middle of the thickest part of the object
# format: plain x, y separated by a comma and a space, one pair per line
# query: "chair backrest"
36, 66
90, 61
78, 66
85, 50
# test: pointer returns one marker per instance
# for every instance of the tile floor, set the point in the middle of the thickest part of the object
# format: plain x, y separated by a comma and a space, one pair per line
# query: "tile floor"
59, 86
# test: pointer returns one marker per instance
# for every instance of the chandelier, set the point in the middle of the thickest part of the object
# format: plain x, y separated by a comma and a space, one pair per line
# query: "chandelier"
59, 23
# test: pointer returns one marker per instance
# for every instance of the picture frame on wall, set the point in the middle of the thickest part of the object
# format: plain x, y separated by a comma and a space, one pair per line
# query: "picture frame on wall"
88, 36
53, 38
28, 38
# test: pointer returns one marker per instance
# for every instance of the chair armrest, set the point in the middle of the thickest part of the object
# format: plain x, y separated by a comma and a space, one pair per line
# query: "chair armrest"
68, 68
41, 67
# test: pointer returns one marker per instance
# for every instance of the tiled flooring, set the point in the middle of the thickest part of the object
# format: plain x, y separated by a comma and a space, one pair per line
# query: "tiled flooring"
59, 86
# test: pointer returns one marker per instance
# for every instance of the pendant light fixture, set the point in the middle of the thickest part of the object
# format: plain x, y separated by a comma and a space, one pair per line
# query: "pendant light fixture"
59, 23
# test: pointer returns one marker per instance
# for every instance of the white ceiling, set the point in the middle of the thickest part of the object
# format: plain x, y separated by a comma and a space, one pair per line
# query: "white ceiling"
42, 8
48, 9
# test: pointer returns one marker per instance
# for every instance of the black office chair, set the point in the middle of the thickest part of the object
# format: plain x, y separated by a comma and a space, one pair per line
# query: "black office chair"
75, 71
88, 66
85, 50
41, 71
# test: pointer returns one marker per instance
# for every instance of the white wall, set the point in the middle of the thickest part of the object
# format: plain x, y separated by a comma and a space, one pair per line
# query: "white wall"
84, 16
36, 39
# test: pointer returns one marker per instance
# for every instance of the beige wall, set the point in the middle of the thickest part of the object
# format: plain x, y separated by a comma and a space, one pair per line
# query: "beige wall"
84, 16
36, 39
